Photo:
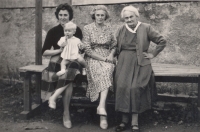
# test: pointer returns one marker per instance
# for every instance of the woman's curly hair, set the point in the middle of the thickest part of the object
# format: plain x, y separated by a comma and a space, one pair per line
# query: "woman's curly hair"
99, 7
67, 7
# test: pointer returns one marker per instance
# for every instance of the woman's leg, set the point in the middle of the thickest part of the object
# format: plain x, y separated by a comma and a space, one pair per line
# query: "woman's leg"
101, 109
103, 97
134, 122
123, 125
52, 99
125, 117
57, 93
67, 94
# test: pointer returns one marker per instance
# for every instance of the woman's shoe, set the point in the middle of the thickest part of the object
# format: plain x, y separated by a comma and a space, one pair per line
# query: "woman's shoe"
103, 122
135, 128
67, 124
121, 127
101, 111
52, 104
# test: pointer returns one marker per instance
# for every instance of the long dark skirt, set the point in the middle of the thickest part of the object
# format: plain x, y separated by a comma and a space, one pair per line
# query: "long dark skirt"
134, 84
51, 82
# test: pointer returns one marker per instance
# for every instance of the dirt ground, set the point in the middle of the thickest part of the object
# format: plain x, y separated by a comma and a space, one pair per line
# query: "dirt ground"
84, 119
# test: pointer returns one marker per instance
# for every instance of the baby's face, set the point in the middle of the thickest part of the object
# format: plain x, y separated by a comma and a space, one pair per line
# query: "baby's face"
69, 32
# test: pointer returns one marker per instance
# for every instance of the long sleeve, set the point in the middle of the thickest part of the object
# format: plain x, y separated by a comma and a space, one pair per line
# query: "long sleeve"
158, 39
86, 41
47, 43
78, 33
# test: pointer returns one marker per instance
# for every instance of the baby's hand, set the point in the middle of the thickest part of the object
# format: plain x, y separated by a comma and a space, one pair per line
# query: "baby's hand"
66, 38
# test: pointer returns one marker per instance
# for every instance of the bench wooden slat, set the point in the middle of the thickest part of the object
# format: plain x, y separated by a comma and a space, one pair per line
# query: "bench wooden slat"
175, 70
33, 68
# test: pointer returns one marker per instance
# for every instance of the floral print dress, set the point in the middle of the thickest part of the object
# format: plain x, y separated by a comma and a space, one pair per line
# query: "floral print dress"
99, 73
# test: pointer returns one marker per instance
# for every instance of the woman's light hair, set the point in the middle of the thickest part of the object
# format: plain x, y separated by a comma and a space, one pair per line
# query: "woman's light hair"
99, 7
130, 8
70, 25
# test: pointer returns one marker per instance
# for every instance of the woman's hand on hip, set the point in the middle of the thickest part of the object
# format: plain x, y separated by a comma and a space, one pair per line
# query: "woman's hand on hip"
148, 55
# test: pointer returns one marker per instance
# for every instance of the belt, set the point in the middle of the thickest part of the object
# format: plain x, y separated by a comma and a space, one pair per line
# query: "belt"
105, 46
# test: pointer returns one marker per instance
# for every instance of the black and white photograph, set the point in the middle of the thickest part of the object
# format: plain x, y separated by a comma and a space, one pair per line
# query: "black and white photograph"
99, 65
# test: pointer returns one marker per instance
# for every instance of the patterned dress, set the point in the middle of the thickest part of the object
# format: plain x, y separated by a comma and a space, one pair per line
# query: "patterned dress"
99, 73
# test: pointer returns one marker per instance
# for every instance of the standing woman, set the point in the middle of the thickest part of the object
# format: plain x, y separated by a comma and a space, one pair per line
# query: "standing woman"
134, 78
64, 14
99, 42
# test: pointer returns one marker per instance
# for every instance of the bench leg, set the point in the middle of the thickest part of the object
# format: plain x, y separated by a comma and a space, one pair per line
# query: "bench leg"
29, 109
38, 88
27, 95
198, 103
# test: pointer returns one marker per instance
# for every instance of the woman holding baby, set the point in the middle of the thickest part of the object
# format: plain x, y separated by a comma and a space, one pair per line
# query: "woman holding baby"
63, 80
98, 43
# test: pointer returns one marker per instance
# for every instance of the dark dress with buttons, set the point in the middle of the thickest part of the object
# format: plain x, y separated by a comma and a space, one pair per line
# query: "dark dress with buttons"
133, 83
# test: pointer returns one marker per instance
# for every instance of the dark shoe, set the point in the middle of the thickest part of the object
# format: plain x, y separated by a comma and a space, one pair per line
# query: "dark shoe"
135, 128
121, 128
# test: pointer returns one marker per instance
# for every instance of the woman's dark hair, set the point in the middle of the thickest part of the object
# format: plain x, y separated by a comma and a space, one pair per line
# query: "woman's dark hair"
67, 7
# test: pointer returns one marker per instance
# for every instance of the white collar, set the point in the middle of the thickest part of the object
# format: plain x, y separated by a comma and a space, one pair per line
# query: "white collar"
131, 30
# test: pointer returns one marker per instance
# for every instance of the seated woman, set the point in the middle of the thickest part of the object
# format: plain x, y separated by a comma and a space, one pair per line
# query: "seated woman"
99, 41
64, 14
134, 77
70, 53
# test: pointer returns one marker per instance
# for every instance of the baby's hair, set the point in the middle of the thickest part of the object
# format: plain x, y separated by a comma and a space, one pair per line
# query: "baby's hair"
70, 25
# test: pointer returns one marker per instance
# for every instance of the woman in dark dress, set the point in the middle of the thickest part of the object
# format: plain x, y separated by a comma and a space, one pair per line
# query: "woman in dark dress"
134, 78
64, 14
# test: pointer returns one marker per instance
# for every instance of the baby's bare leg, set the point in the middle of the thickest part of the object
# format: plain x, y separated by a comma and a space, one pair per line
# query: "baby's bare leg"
81, 60
63, 67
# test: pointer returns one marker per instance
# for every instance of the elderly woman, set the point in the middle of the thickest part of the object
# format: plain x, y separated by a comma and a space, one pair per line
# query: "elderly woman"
64, 14
134, 78
99, 45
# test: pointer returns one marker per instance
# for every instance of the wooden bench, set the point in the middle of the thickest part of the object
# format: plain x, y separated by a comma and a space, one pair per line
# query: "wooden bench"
163, 73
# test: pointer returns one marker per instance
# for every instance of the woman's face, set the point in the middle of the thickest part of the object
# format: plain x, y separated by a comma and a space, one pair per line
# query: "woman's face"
63, 17
100, 16
130, 18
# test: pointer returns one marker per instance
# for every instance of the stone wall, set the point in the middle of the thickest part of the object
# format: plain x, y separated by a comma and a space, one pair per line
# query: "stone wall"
179, 22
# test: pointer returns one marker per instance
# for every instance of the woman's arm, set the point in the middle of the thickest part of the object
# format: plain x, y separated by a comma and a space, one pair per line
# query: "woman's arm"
52, 52
158, 39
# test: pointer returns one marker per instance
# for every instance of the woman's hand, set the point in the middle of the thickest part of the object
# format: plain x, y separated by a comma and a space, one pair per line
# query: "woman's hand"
61, 49
148, 55
110, 58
